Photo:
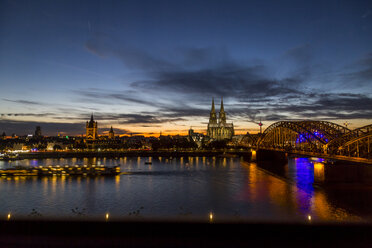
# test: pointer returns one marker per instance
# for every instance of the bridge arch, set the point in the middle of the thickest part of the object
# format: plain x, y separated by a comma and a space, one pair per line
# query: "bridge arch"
329, 130
249, 140
304, 135
359, 147
356, 143
317, 137
336, 144
289, 135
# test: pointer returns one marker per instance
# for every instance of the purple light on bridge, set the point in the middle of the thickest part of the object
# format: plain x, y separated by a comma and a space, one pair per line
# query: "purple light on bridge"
304, 137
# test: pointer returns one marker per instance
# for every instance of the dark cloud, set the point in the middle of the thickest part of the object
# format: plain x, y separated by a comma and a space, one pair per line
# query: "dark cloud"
360, 73
183, 111
196, 72
302, 106
363, 73
236, 82
251, 90
117, 131
52, 129
148, 125
132, 57
342, 102
298, 63
26, 114
106, 97
23, 102
131, 119
146, 119
28, 127
326, 106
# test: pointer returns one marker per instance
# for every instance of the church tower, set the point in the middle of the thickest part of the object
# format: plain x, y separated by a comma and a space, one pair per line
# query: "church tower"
91, 127
111, 134
212, 125
212, 116
222, 114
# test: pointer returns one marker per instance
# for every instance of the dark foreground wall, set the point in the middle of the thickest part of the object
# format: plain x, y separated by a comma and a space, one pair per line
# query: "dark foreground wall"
181, 234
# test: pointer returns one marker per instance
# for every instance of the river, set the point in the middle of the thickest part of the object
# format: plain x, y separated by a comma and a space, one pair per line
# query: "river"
188, 187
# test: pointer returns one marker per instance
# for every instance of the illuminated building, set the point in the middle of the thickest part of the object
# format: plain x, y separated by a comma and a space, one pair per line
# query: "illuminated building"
219, 129
111, 134
195, 137
91, 126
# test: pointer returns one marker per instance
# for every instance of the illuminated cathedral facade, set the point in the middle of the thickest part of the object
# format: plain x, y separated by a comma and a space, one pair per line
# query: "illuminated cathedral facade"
218, 129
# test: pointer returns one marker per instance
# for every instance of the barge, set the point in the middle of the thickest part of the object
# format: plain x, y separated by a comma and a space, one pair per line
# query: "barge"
10, 157
66, 170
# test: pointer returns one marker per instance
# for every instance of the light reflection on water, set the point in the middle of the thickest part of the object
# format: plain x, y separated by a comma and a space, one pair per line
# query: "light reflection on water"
187, 186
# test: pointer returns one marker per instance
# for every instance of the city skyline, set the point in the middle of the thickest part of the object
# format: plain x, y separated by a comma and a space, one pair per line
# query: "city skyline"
151, 67
103, 131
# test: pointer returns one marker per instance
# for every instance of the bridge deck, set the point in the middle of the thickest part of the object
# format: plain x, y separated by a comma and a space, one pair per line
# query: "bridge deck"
323, 155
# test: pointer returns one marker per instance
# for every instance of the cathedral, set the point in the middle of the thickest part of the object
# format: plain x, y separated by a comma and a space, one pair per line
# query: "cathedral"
91, 126
219, 129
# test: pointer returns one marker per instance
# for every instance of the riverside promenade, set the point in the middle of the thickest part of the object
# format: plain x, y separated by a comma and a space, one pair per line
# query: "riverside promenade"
135, 153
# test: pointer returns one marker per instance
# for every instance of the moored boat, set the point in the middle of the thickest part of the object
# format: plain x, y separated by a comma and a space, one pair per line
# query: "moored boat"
62, 171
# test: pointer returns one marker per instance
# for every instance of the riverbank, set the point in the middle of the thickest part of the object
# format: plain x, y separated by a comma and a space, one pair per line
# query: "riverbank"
132, 153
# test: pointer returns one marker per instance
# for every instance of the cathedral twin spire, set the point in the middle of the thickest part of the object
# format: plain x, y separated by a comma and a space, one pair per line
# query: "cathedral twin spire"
213, 110
213, 117
222, 114
218, 129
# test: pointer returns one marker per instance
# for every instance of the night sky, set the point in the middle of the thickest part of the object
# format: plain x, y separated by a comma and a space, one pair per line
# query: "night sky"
150, 66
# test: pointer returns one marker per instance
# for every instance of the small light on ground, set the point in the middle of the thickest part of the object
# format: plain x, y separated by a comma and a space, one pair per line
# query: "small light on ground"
210, 216
9, 215
107, 216
309, 217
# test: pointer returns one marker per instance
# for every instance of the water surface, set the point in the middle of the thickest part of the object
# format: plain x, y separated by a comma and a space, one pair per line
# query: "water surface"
188, 187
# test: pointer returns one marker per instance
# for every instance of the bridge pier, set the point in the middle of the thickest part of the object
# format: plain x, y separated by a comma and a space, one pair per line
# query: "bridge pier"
269, 155
339, 172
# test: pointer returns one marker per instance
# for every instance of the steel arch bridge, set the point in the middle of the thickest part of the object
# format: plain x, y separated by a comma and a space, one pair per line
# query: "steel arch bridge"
315, 137
356, 143
249, 140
